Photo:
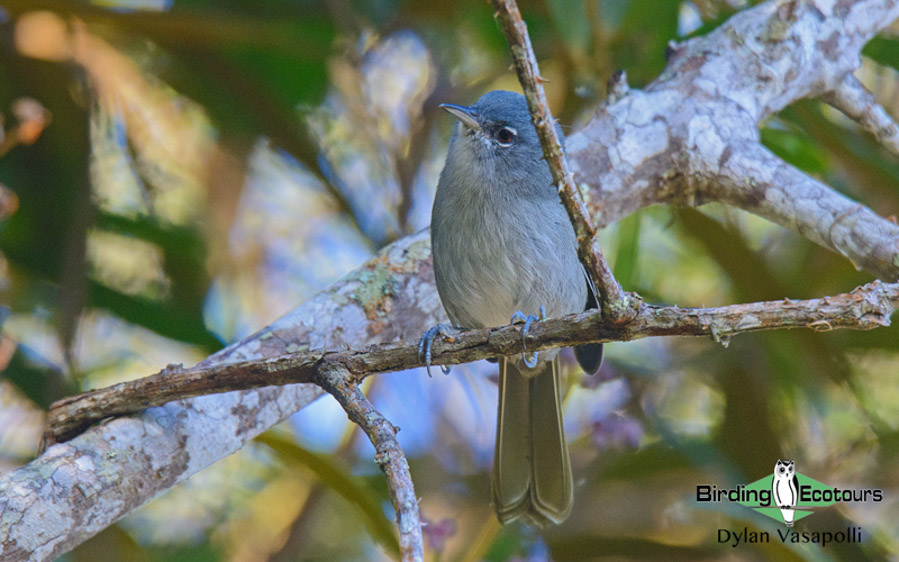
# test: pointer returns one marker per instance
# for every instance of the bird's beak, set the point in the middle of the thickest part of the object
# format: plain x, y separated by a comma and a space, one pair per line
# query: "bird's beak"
464, 114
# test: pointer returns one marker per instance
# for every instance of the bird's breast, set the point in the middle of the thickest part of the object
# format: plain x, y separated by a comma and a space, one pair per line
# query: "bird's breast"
495, 255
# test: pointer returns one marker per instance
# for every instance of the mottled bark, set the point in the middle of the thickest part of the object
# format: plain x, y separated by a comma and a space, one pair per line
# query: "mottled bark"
690, 137
864, 308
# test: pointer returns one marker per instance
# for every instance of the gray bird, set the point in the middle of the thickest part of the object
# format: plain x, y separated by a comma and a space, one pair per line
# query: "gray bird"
504, 248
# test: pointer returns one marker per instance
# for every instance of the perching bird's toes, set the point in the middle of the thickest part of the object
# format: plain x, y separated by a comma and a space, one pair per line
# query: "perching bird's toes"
427, 341
519, 318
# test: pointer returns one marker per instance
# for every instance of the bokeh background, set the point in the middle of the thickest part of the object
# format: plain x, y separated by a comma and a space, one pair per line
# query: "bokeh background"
175, 174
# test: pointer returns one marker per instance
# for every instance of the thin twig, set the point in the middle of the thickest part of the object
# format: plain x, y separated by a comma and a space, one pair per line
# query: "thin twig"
616, 303
338, 382
865, 308
858, 103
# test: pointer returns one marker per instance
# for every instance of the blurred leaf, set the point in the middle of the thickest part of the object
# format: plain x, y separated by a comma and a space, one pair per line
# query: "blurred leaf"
889, 450
47, 176
626, 258
653, 459
336, 478
506, 545
112, 543
482, 543
184, 251
752, 279
864, 550
299, 30
245, 98
190, 552
249, 72
46, 236
746, 434
883, 50
881, 338
250, 89
40, 381
803, 354
180, 321
71, 295
797, 149
640, 48
590, 547
571, 22
874, 171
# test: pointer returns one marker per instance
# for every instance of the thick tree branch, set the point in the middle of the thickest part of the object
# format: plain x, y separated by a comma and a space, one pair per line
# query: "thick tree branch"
863, 309
78, 488
613, 299
754, 179
667, 143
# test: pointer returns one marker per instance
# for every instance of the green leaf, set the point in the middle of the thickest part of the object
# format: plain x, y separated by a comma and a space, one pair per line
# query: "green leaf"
180, 321
112, 543
883, 50
639, 48
626, 258
39, 380
797, 355
571, 23
573, 547
796, 148
336, 478
751, 276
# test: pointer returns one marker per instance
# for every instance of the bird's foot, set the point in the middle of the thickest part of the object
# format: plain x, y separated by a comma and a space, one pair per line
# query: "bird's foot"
427, 341
519, 318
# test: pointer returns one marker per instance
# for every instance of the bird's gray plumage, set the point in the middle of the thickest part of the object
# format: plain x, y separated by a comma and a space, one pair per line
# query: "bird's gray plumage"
502, 242
501, 239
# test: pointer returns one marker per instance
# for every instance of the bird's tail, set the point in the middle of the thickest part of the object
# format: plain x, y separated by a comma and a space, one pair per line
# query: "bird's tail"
531, 470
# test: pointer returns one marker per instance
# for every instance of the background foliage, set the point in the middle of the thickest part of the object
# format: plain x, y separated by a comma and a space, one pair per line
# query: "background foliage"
176, 174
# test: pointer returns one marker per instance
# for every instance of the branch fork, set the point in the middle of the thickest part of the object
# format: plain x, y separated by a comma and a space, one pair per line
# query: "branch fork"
697, 149
614, 301
339, 383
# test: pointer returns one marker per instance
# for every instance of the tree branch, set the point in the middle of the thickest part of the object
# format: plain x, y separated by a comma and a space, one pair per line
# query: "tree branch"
78, 488
864, 308
852, 98
669, 142
614, 301
658, 145
754, 179
338, 382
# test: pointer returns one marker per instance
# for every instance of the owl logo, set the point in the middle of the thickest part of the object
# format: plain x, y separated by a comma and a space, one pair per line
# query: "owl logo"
785, 488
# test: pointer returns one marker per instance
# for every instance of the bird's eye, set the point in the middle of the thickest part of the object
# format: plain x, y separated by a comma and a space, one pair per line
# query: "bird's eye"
505, 135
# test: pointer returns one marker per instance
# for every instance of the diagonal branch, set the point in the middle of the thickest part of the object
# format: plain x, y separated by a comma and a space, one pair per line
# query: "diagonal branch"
857, 102
864, 308
77, 488
666, 143
754, 179
613, 299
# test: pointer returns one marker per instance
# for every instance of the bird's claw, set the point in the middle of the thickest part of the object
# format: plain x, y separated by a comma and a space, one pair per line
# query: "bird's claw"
427, 341
518, 318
